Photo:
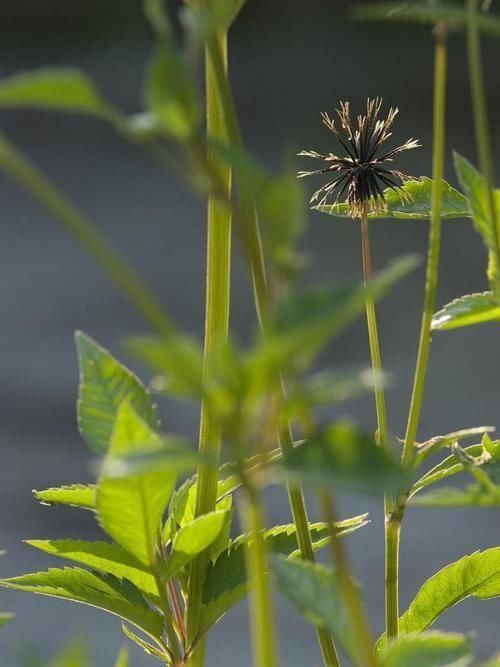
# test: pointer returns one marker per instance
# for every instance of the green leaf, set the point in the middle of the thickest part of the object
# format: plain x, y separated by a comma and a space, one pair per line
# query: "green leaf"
448, 467
467, 311
122, 660
204, 20
429, 649
54, 88
454, 204
5, 617
150, 649
171, 95
179, 360
130, 508
226, 581
477, 575
74, 495
343, 455
439, 442
104, 385
105, 592
315, 592
473, 495
108, 558
301, 325
76, 654
192, 539
412, 12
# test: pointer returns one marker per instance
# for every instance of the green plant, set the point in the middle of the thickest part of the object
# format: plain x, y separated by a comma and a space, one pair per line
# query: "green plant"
170, 568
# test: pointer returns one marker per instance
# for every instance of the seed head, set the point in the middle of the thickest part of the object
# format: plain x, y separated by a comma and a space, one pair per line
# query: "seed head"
362, 173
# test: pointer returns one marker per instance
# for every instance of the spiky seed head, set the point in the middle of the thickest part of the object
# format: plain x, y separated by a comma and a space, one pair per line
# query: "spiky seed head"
363, 172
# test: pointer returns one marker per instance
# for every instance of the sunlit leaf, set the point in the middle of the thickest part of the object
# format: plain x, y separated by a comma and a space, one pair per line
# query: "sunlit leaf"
108, 558
448, 467
429, 649
473, 495
467, 310
122, 660
454, 204
76, 654
120, 598
74, 495
104, 385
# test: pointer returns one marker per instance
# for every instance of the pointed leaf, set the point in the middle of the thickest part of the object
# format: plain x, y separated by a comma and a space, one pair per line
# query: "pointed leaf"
467, 311
226, 581
122, 660
130, 508
74, 495
418, 207
54, 88
473, 495
105, 592
192, 539
315, 592
429, 649
75, 654
342, 454
5, 617
450, 466
104, 385
108, 558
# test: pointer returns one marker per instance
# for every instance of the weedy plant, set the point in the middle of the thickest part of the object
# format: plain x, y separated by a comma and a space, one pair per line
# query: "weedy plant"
170, 568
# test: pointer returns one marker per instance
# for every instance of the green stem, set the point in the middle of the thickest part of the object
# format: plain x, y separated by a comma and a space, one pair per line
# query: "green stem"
393, 520
365, 654
216, 332
261, 605
482, 125
173, 640
33, 181
391, 549
440, 65
249, 232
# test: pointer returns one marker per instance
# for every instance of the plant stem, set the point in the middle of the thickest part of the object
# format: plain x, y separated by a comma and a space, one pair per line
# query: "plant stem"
261, 607
365, 654
391, 548
249, 232
481, 123
173, 644
440, 65
216, 332
131, 284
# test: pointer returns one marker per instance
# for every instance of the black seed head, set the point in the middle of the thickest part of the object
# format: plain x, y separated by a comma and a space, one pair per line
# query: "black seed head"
363, 173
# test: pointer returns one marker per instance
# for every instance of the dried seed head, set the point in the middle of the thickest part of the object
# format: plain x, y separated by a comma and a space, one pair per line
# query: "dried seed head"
362, 173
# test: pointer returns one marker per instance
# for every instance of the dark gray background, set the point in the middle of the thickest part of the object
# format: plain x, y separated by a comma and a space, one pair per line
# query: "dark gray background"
289, 61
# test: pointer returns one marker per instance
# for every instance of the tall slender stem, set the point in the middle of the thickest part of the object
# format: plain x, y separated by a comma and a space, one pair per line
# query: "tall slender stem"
41, 189
216, 331
261, 605
365, 654
393, 521
249, 233
438, 149
391, 547
482, 126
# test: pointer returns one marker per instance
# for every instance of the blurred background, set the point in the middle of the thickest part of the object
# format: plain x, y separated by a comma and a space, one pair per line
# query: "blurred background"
290, 60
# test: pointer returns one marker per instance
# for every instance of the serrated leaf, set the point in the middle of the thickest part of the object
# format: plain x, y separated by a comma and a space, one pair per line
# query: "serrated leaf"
412, 12
418, 207
226, 581
476, 575
107, 558
473, 495
315, 592
344, 455
74, 495
105, 592
171, 95
467, 311
448, 467
146, 646
54, 88
192, 539
429, 649
130, 508
104, 385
